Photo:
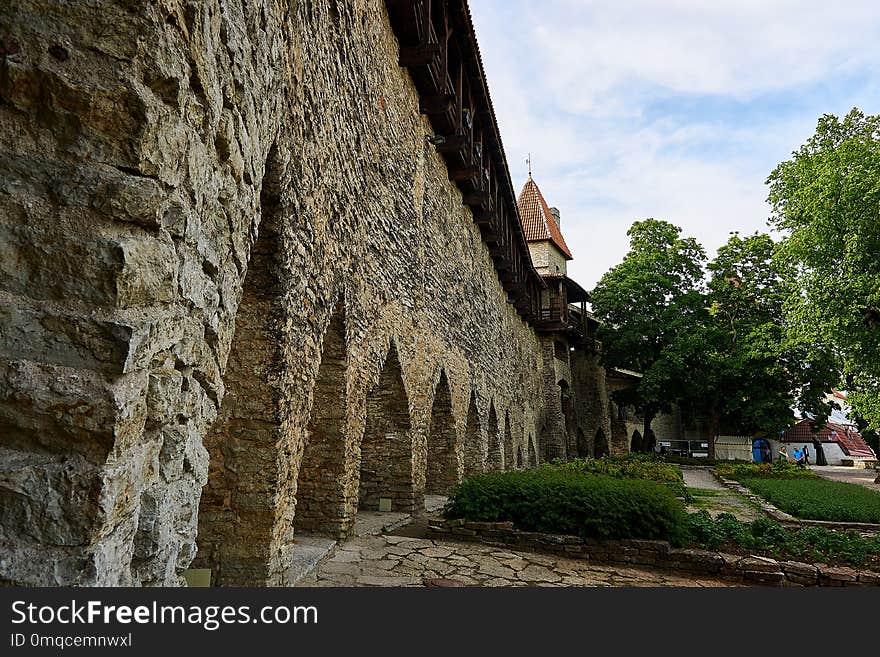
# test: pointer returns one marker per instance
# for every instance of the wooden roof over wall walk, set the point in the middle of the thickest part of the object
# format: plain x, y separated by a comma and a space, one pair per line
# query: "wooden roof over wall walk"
438, 46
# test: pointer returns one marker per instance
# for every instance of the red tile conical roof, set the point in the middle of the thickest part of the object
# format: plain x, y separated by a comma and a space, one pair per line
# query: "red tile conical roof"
538, 223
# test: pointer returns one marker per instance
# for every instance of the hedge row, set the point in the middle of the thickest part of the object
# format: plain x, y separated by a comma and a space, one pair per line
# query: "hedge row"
632, 466
562, 501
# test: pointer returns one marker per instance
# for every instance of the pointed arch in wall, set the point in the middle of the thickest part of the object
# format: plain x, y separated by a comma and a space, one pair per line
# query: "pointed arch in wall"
635, 442
442, 470
545, 445
320, 492
507, 442
583, 447
474, 445
495, 453
532, 453
386, 471
567, 409
238, 538
600, 444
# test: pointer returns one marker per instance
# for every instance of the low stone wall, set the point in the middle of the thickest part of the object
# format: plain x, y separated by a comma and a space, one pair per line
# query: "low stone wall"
751, 569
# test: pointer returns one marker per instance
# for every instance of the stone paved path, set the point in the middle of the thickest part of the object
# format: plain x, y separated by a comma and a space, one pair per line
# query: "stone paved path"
405, 561
701, 478
711, 495
850, 475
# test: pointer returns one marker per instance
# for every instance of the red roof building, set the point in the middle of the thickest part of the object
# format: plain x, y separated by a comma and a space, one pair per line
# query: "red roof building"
540, 224
845, 436
550, 254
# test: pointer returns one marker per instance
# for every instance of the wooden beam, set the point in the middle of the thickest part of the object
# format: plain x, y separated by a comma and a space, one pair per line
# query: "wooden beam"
464, 172
503, 267
476, 198
453, 144
439, 104
420, 55
488, 235
483, 217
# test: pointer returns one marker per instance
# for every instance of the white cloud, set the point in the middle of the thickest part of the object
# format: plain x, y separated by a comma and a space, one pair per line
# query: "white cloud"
592, 52
676, 109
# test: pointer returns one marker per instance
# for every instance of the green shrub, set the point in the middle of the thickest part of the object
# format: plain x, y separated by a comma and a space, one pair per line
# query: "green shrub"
564, 501
777, 470
701, 529
819, 499
680, 459
632, 466
768, 537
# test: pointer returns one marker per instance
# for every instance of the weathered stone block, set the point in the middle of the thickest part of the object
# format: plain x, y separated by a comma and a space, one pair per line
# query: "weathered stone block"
764, 577
758, 564
837, 576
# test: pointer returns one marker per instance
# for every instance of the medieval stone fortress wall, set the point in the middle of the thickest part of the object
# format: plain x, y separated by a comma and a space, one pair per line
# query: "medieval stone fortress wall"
242, 294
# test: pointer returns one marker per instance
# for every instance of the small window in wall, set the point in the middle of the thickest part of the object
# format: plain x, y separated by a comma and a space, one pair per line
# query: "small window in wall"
560, 350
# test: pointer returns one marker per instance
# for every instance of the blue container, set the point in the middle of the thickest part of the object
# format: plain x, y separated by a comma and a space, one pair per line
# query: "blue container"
756, 452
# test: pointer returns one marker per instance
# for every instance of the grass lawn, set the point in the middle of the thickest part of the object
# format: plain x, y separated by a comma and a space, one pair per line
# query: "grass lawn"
705, 492
819, 499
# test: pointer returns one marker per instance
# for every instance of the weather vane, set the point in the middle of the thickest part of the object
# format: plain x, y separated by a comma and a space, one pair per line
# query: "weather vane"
529, 162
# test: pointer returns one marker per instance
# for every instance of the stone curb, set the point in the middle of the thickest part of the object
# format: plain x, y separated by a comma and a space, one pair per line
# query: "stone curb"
751, 569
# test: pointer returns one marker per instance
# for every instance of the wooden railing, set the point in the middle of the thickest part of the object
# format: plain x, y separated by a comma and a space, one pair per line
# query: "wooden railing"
439, 48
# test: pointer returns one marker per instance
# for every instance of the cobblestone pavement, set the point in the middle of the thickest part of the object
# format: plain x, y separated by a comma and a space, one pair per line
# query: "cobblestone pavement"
851, 475
404, 561
711, 495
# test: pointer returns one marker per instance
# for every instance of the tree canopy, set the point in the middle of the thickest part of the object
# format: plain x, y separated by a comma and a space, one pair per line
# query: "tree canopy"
755, 373
710, 337
826, 200
648, 305
765, 326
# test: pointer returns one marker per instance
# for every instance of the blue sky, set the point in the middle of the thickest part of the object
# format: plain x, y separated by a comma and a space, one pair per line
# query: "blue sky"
674, 109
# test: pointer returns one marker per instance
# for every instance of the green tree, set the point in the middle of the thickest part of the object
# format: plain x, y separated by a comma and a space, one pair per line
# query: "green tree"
752, 373
826, 200
649, 305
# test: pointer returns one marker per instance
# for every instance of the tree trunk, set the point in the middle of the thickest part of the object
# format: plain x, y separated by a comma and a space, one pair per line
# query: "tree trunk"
713, 429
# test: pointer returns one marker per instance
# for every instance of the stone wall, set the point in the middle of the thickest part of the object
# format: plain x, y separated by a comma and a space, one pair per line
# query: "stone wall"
593, 406
540, 255
576, 406
553, 434
228, 254
547, 259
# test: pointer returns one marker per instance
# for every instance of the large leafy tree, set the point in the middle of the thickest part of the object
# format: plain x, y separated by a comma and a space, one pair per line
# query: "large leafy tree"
649, 305
826, 200
719, 349
753, 374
